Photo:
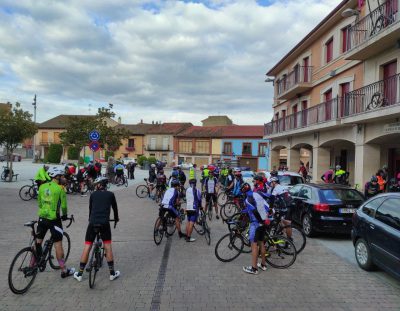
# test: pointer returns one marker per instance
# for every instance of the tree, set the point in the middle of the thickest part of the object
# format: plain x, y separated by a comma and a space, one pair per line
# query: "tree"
16, 125
78, 129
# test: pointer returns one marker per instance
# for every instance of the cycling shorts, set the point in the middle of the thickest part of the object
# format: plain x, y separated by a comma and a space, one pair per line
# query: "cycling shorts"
256, 233
55, 227
120, 172
171, 212
192, 215
211, 196
161, 187
105, 233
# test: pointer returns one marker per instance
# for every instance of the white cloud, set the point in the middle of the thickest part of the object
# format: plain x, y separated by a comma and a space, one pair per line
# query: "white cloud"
163, 60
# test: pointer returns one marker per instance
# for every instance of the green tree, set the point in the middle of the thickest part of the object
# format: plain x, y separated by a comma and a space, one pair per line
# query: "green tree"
73, 153
16, 125
78, 129
55, 153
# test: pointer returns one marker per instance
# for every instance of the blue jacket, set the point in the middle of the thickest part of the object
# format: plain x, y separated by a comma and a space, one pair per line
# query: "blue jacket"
256, 207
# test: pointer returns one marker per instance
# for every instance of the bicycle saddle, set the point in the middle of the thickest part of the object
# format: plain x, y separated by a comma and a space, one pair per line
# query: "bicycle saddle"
30, 223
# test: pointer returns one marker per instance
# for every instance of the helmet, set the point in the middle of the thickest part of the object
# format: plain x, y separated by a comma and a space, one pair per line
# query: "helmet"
245, 187
258, 178
55, 171
46, 167
236, 171
211, 167
338, 167
153, 166
174, 174
175, 183
101, 179
192, 181
274, 179
374, 179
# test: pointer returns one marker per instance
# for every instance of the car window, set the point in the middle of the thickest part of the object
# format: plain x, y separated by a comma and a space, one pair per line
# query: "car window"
339, 195
247, 174
370, 207
295, 191
389, 213
305, 193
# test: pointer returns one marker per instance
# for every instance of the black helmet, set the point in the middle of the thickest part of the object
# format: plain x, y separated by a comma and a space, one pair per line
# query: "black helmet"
245, 188
374, 179
258, 178
175, 183
192, 182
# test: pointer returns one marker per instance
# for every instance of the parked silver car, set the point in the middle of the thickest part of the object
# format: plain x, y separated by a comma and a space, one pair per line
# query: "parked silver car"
286, 179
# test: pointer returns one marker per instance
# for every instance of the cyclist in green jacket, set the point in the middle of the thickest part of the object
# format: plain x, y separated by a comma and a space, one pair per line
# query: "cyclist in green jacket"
52, 199
41, 176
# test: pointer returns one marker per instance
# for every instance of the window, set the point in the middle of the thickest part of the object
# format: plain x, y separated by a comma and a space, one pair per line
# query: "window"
389, 213
45, 137
294, 191
202, 146
56, 137
371, 206
329, 50
153, 141
345, 39
227, 148
131, 143
246, 148
185, 146
262, 149
340, 195
305, 193
165, 143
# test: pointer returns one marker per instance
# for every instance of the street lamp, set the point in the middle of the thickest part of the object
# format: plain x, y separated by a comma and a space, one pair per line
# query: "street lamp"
269, 80
34, 120
350, 12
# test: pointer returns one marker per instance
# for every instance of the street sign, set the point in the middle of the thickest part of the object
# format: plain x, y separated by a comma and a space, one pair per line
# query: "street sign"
94, 146
94, 135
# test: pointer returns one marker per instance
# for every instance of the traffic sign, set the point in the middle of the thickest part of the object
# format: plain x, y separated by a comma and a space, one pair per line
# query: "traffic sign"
94, 135
94, 146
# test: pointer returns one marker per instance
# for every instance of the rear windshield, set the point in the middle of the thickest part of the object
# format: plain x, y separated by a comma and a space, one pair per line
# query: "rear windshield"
339, 195
247, 174
287, 180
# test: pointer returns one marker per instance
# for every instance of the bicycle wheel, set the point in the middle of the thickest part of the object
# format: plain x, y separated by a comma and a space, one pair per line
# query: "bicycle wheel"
24, 193
228, 210
298, 236
198, 224
281, 252
22, 271
210, 210
93, 267
142, 191
221, 199
126, 181
67, 248
229, 247
158, 231
207, 232
171, 227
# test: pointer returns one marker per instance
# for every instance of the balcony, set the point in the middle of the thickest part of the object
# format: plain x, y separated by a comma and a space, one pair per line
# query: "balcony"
297, 81
380, 99
375, 32
158, 148
130, 149
322, 115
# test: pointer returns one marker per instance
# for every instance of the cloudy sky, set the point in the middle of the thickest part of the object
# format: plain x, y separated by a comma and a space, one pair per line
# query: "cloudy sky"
159, 60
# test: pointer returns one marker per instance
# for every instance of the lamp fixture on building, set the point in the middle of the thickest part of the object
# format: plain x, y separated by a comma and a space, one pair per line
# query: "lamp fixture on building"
269, 80
350, 12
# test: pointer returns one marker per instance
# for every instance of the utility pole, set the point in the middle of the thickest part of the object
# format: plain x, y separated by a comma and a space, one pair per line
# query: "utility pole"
34, 120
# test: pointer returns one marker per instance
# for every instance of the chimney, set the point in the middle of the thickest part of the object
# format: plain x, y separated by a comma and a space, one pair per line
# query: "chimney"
152, 122
141, 121
119, 120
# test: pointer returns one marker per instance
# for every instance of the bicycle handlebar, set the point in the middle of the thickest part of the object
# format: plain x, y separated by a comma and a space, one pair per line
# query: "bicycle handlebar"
71, 219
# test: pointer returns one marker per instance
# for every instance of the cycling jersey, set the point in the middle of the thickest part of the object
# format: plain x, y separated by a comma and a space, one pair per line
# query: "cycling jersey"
256, 207
205, 173
170, 198
192, 173
51, 198
210, 184
328, 176
100, 204
161, 179
118, 168
171, 179
237, 184
152, 175
193, 199
182, 177
42, 175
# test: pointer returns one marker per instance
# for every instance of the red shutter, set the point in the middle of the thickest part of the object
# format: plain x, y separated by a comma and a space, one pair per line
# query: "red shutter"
345, 32
328, 105
305, 66
344, 106
329, 50
390, 82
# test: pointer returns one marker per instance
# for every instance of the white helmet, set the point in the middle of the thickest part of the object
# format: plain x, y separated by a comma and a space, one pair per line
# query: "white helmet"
100, 179
338, 167
55, 171
153, 165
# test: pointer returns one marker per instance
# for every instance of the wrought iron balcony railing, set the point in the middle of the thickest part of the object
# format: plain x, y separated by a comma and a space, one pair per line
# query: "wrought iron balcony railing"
301, 74
373, 23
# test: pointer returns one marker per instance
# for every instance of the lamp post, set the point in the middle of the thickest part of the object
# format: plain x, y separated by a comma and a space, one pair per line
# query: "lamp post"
34, 120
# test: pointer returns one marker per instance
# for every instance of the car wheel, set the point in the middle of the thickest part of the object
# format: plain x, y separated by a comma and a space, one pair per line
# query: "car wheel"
363, 255
308, 226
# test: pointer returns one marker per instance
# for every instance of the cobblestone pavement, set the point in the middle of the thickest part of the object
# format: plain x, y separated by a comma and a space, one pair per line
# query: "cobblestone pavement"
182, 276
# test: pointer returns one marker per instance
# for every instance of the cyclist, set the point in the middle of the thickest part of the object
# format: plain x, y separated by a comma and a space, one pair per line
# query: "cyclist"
257, 209
204, 175
181, 176
237, 183
229, 180
192, 172
52, 198
80, 177
170, 200
100, 203
152, 177
91, 170
161, 179
381, 180
259, 185
340, 176
193, 203
119, 171
97, 169
159, 166
211, 188
172, 178
302, 170
41, 176
328, 176
372, 188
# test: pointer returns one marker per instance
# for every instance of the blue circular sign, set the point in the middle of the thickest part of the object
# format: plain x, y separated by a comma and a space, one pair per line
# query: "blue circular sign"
94, 146
94, 135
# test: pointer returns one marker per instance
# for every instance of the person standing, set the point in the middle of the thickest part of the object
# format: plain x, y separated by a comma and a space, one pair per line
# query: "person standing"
327, 177
100, 203
302, 170
193, 203
132, 170
52, 202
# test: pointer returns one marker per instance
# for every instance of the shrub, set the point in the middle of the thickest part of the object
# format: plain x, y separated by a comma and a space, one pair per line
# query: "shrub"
73, 153
54, 154
151, 160
141, 159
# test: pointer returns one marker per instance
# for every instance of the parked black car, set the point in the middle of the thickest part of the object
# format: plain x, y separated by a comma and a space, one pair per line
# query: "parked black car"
376, 233
324, 207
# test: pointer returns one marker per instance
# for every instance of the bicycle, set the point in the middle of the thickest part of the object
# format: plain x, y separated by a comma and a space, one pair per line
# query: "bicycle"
29, 192
143, 191
97, 255
31, 263
231, 207
119, 181
6, 172
165, 224
202, 227
377, 100
160, 190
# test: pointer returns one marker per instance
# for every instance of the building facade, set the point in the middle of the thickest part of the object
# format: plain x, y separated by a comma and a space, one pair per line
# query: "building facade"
337, 94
